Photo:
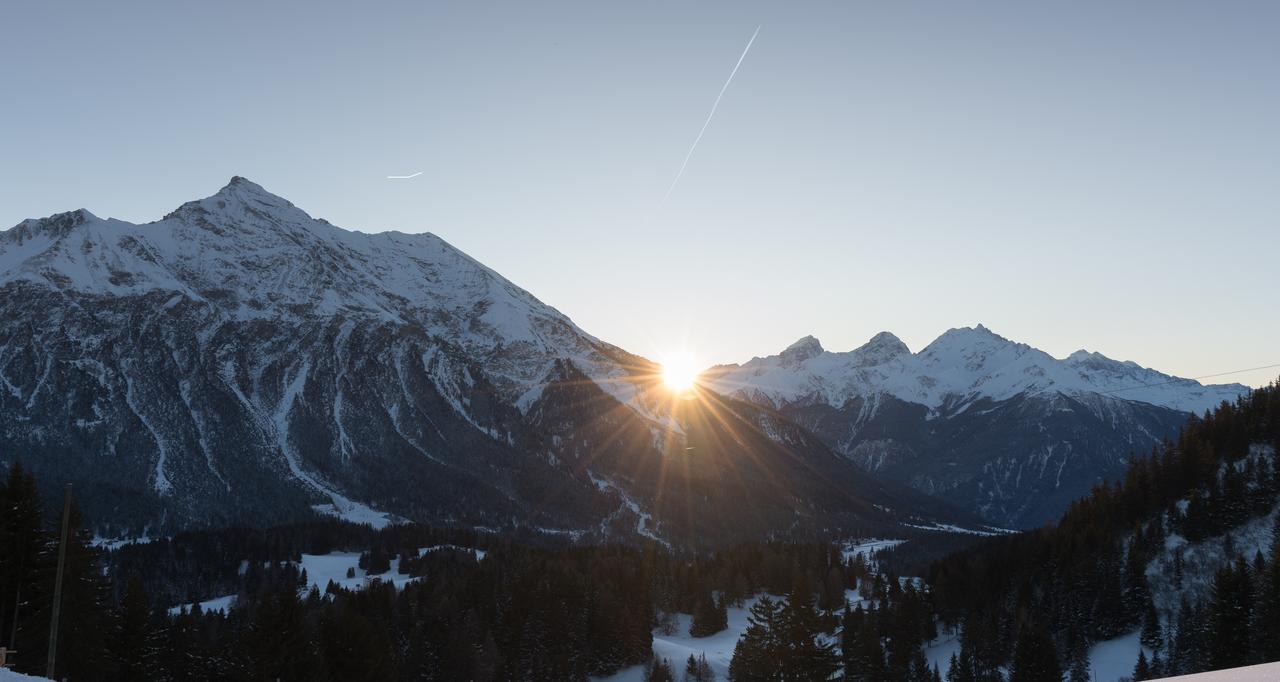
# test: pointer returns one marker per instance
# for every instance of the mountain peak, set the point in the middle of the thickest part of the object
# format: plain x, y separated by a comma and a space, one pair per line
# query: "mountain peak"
964, 336
245, 202
880, 349
242, 189
242, 185
802, 350
53, 227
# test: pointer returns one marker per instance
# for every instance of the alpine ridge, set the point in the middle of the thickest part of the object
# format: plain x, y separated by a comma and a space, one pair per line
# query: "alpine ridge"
1013, 431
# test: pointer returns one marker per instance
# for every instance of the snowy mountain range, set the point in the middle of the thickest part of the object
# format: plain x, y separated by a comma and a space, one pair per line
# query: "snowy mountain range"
1011, 430
239, 362
956, 369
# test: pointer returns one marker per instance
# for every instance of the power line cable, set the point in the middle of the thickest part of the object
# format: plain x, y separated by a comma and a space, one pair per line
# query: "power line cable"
1178, 381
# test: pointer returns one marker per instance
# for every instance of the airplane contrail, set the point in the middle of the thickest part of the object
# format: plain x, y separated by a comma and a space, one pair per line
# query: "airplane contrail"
403, 177
710, 115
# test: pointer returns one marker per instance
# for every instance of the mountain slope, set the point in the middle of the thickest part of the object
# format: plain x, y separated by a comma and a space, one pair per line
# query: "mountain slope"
1012, 431
241, 362
1184, 556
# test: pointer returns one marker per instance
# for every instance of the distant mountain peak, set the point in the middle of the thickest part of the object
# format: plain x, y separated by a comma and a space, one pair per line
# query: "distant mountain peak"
882, 348
803, 349
241, 187
243, 201
54, 227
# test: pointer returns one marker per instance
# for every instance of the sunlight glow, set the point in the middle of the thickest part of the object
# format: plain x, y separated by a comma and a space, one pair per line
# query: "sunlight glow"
680, 371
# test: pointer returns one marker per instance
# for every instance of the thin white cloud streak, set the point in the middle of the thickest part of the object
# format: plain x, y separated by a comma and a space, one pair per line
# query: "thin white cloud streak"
710, 115
404, 177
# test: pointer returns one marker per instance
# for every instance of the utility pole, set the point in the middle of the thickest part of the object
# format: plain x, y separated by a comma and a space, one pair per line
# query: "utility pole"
57, 585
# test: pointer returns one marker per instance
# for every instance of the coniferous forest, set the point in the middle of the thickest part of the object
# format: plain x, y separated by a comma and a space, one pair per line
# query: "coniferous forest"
1027, 606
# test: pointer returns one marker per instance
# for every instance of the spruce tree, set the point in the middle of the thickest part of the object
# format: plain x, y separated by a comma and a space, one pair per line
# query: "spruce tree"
698, 670
1152, 635
134, 645
864, 661
659, 671
23, 564
757, 653
803, 655
84, 621
1141, 669
1268, 621
278, 644
709, 617
1229, 616
1035, 659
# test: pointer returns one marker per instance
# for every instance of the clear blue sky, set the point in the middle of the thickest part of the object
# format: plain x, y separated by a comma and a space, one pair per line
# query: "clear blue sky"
1100, 175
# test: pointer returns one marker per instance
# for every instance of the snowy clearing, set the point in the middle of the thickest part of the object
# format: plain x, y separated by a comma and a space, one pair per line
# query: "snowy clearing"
222, 604
939, 651
677, 647
866, 548
990, 531
113, 544
1115, 658
7, 675
356, 513
1109, 661
322, 568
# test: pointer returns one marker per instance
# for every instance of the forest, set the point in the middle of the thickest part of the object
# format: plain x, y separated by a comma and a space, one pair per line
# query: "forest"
1028, 605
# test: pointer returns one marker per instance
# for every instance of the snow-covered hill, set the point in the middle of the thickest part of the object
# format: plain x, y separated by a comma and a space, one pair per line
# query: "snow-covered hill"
1012, 431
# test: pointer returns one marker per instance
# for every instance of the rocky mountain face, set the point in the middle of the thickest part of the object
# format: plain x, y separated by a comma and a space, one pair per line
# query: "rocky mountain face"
1005, 429
240, 362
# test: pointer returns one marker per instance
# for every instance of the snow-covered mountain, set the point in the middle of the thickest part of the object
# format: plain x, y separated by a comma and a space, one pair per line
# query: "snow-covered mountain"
242, 362
252, 256
957, 368
1015, 432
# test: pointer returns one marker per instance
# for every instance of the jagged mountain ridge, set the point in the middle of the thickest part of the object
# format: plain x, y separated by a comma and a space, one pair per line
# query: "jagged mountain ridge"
1014, 432
960, 366
241, 362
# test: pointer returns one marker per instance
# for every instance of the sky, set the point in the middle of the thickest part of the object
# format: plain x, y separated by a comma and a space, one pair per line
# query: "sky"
1092, 175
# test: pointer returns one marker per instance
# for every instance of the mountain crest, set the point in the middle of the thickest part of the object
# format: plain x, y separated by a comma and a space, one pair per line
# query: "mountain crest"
54, 227
807, 347
882, 348
962, 363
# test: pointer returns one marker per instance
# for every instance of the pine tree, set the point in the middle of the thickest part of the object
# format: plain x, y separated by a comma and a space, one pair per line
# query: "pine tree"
134, 647
757, 653
84, 620
1141, 669
1157, 666
698, 670
709, 617
804, 656
919, 670
1078, 658
1191, 642
1034, 659
277, 643
1268, 621
864, 660
659, 671
1135, 593
956, 672
1152, 635
23, 564
1229, 616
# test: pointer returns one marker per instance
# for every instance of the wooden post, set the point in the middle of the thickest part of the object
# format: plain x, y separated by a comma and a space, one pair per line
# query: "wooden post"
57, 585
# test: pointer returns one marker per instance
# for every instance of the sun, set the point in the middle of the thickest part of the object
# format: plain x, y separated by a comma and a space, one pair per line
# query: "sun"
680, 371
